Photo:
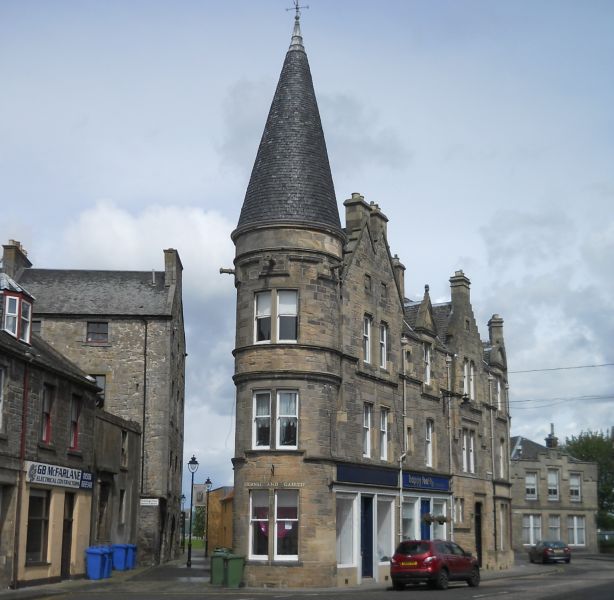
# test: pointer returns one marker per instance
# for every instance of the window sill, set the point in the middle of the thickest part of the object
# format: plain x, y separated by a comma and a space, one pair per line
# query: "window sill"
76, 452
97, 344
45, 446
4, 435
38, 563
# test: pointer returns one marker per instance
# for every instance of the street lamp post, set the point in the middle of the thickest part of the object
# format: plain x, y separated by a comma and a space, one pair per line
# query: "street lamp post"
208, 485
193, 467
182, 523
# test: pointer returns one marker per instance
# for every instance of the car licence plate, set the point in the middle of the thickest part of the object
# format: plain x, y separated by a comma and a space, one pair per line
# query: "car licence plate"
411, 563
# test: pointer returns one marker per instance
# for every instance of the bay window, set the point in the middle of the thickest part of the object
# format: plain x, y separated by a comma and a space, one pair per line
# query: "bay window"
261, 432
287, 419
286, 524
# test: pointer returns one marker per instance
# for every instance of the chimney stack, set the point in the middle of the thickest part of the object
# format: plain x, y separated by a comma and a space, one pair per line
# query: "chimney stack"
552, 441
14, 259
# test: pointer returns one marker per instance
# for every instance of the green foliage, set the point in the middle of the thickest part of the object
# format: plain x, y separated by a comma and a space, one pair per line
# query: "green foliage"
598, 447
198, 526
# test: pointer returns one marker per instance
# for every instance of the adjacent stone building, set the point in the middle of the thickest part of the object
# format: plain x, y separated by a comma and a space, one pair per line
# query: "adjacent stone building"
125, 329
56, 447
554, 495
362, 417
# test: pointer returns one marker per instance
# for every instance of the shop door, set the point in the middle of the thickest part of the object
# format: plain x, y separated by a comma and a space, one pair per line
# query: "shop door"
69, 505
366, 535
425, 527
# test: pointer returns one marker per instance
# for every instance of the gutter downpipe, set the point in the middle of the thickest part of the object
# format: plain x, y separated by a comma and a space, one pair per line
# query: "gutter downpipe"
401, 458
143, 432
448, 364
22, 456
492, 453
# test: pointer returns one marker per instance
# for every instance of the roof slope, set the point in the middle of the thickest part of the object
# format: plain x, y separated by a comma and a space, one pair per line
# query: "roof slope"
291, 181
77, 292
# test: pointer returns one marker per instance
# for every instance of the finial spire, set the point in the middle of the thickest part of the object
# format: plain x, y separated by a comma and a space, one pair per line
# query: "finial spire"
297, 38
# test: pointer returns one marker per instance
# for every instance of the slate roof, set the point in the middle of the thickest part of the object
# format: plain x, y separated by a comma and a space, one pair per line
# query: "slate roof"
41, 354
74, 292
441, 316
291, 181
8, 283
526, 449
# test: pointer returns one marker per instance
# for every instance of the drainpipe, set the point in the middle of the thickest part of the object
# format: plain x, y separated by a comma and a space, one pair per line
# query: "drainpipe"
22, 456
144, 431
401, 458
492, 452
449, 395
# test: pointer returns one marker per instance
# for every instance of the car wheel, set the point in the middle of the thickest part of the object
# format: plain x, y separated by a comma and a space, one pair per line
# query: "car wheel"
441, 583
568, 560
531, 559
474, 579
397, 585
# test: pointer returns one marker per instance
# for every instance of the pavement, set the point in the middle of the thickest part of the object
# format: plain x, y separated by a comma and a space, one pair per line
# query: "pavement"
176, 577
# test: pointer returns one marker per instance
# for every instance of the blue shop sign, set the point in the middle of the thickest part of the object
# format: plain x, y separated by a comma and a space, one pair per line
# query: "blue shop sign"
423, 481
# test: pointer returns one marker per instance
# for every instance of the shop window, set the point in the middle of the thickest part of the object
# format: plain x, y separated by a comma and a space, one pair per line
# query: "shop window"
259, 524
345, 531
439, 524
286, 524
384, 530
38, 526
408, 519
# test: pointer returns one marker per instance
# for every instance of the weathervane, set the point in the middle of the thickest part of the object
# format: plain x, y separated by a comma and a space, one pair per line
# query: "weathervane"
297, 8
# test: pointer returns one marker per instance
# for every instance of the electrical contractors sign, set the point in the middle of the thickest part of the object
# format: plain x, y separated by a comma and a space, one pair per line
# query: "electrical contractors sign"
45, 474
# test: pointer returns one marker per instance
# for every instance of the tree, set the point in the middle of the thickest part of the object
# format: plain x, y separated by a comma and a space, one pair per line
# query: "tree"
598, 447
198, 527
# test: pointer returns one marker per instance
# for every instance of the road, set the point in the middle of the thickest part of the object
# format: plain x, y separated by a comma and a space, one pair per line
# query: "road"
582, 579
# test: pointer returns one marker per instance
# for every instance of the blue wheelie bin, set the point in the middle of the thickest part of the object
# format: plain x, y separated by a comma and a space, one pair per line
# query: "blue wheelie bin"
94, 563
108, 561
120, 556
131, 556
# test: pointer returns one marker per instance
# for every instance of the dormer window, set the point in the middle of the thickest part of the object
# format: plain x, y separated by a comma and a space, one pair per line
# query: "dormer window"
17, 317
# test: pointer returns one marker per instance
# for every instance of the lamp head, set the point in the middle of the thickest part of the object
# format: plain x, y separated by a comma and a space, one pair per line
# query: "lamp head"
193, 464
208, 484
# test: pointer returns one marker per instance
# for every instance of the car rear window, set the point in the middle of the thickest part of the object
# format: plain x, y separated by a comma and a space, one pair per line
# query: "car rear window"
411, 548
555, 544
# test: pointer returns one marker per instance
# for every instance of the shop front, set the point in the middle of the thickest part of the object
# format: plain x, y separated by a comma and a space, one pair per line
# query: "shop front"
54, 523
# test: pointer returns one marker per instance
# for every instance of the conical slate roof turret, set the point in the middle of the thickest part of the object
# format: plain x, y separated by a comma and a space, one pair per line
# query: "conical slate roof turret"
291, 181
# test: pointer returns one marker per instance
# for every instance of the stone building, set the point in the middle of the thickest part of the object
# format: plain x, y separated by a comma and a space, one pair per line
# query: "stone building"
125, 329
47, 408
362, 417
554, 495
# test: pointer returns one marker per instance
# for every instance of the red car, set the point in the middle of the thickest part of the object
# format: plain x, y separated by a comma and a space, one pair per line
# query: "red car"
435, 562
550, 551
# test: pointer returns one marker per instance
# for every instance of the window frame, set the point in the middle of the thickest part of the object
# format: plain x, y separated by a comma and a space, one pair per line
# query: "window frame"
279, 416
281, 315
383, 345
263, 315
3, 381
255, 519
576, 524
11, 315
366, 338
527, 494
279, 520
428, 358
47, 403
428, 442
534, 529
468, 450
367, 424
256, 417
383, 433
573, 488
93, 336
554, 493
43, 519
554, 527
345, 529
76, 407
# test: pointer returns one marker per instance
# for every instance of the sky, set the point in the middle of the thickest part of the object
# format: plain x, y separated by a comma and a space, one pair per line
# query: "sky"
483, 129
